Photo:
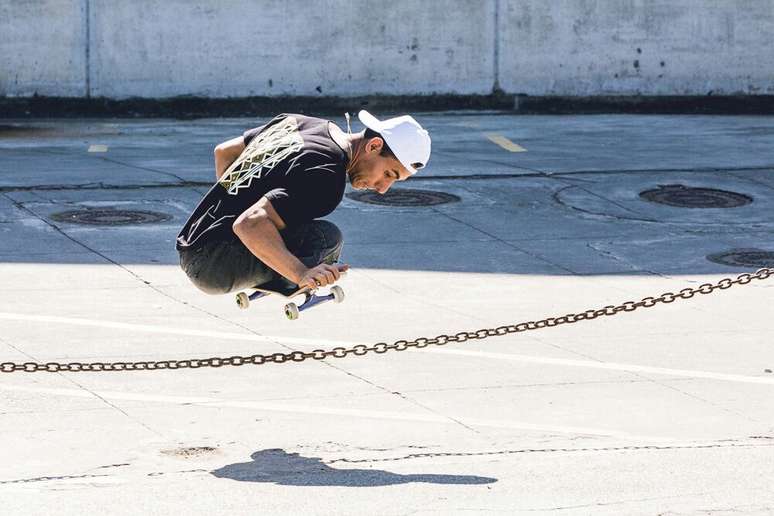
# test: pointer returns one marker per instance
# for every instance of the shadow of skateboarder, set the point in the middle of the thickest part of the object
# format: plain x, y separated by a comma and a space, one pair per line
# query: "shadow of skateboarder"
290, 469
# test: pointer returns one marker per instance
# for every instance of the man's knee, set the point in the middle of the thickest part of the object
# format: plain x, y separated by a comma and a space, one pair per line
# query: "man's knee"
332, 236
331, 242
313, 241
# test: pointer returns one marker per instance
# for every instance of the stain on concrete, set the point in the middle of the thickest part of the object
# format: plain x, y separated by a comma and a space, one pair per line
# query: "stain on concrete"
190, 452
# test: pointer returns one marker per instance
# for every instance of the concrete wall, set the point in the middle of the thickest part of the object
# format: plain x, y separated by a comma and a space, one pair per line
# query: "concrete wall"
223, 48
296, 47
655, 47
42, 48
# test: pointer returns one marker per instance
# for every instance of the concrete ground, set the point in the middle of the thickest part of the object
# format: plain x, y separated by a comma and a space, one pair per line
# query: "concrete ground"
668, 410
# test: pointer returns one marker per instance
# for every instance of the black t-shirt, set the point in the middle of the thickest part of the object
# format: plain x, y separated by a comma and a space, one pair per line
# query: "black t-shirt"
292, 161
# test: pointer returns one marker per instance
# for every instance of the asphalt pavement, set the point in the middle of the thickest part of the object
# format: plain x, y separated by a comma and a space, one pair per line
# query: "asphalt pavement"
662, 410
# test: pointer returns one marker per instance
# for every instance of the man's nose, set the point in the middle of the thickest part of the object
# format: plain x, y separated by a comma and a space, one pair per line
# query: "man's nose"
382, 189
383, 186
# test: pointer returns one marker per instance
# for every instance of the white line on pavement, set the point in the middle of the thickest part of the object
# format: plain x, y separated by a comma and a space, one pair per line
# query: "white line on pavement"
612, 366
689, 373
331, 411
169, 331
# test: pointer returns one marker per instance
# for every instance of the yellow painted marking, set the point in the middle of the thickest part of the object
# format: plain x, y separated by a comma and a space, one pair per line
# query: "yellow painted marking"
98, 148
505, 143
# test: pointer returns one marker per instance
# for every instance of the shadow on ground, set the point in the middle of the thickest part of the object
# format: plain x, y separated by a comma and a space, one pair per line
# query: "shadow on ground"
291, 469
572, 205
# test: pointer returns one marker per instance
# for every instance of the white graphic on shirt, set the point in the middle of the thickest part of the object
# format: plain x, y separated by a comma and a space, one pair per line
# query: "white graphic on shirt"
262, 153
209, 218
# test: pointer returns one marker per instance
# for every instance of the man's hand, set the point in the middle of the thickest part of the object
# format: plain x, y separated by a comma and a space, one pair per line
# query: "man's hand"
322, 275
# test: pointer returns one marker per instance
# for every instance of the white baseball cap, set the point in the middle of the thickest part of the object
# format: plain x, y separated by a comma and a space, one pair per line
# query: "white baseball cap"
404, 136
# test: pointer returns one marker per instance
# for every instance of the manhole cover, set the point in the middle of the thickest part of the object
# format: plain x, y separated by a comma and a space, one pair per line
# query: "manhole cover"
755, 258
689, 197
404, 197
108, 217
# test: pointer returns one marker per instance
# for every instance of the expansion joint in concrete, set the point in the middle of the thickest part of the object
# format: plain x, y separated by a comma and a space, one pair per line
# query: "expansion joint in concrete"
724, 444
87, 46
496, 49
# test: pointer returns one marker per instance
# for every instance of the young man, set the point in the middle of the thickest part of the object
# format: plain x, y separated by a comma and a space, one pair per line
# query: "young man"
258, 221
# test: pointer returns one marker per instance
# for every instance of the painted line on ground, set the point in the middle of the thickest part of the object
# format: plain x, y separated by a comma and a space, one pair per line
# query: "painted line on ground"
612, 366
333, 411
247, 337
276, 339
504, 142
98, 148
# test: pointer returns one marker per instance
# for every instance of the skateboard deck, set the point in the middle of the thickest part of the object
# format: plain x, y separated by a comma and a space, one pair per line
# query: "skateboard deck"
282, 287
287, 289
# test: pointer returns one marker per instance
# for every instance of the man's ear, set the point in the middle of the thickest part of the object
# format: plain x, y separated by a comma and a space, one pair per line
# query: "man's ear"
375, 144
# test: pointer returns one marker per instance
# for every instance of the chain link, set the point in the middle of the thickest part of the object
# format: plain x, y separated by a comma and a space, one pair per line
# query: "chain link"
383, 347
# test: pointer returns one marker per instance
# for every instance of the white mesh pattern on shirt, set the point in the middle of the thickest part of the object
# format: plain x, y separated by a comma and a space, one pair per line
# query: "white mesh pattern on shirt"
262, 153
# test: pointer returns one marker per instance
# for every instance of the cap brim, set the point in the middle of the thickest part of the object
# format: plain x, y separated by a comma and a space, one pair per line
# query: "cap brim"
410, 169
370, 121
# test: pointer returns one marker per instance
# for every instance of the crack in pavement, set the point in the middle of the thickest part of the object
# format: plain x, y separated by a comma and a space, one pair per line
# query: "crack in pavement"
424, 301
752, 180
523, 451
463, 177
84, 388
618, 259
699, 398
59, 230
503, 241
48, 479
405, 398
618, 502
638, 218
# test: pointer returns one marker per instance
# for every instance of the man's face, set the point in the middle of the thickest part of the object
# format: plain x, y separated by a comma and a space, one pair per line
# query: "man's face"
375, 172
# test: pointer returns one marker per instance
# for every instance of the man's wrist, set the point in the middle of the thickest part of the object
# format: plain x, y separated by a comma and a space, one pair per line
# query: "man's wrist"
298, 274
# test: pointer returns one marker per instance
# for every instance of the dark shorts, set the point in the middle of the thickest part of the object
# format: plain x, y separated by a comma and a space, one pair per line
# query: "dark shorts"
228, 266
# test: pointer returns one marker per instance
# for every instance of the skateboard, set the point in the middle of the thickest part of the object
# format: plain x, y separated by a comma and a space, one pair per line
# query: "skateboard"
289, 290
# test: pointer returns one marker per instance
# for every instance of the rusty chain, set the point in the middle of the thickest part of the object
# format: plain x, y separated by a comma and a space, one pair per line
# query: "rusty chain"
383, 347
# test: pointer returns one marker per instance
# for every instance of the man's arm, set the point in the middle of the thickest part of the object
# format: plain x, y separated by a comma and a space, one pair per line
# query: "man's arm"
226, 153
258, 228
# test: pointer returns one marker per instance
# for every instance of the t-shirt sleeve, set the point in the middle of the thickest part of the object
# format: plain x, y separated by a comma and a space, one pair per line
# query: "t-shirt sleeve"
301, 202
252, 133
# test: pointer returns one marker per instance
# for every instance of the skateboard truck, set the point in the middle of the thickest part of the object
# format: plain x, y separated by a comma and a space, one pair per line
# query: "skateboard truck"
292, 310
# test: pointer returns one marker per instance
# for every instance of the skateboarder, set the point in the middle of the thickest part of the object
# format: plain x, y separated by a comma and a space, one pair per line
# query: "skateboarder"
260, 219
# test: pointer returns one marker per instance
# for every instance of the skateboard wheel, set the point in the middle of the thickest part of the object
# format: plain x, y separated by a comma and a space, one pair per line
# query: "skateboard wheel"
338, 294
242, 300
291, 311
